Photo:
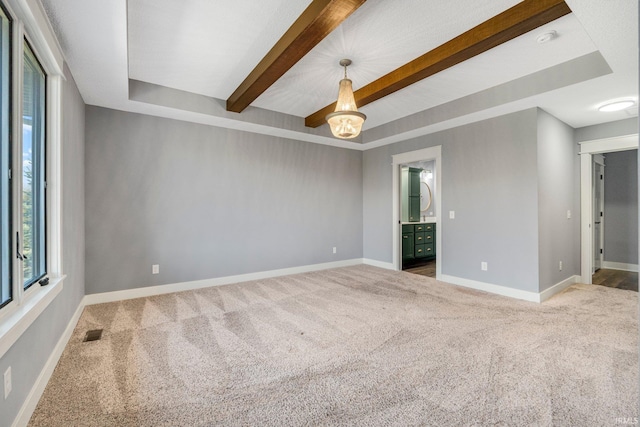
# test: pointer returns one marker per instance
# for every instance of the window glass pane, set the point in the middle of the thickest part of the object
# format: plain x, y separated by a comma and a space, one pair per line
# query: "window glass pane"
33, 169
5, 160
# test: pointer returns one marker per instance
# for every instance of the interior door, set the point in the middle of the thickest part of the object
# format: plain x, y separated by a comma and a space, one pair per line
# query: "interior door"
598, 212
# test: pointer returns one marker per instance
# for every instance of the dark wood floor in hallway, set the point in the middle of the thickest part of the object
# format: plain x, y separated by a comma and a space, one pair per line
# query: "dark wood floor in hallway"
428, 269
616, 279
605, 277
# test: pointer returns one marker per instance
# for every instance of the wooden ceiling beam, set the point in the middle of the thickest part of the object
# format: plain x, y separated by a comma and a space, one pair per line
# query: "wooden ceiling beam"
516, 21
316, 22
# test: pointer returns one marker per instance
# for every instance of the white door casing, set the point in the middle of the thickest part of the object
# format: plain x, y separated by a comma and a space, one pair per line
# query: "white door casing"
587, 150
431, 153
598, 211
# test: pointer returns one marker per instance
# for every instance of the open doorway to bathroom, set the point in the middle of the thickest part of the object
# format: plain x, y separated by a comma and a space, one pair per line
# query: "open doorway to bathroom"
417, 235
418, 221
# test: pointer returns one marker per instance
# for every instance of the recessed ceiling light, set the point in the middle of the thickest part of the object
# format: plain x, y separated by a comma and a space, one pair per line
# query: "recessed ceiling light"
546, 37
616, 106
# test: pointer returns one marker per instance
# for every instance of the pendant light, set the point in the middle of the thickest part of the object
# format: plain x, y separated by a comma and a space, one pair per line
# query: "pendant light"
345, 122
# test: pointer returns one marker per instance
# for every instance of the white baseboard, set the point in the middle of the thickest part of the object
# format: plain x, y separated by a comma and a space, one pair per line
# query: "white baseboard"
620, 266
206, 283
510, 292
380, 264
33, 398
494, 289
558, 287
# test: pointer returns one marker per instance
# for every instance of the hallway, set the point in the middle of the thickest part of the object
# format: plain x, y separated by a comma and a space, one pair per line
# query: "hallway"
616, 279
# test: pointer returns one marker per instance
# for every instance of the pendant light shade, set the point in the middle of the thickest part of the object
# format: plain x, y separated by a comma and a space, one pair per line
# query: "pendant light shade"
345, 122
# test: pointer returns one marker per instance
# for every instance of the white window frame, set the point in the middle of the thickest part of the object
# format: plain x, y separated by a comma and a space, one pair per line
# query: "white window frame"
29, 22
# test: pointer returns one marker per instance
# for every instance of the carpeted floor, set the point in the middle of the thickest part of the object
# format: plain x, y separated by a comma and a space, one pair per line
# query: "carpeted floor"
350, 346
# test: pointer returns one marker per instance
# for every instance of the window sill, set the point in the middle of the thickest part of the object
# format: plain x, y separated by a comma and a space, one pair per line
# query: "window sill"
13, 325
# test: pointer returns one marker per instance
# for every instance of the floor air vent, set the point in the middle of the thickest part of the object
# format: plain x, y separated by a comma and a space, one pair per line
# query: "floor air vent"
93, 335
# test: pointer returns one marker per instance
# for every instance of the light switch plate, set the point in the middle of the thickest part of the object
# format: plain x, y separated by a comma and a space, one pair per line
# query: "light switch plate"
7, 382
452, 214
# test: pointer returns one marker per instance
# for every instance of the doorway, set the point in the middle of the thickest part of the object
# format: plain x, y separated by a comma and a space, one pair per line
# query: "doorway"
417, 218
431, 154
598, 213
591, 241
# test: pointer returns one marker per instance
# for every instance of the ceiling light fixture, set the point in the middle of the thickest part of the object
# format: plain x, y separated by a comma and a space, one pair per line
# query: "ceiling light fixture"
426, 174
345, 122
616, 106
547, 37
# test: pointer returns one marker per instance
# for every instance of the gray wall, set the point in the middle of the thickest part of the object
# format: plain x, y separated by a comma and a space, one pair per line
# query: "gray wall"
558, 192
621, 207
607, 130
489, 177
205, 202
29, 354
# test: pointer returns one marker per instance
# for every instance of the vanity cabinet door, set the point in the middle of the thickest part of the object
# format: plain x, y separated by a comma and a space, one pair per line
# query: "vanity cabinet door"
407, 228
414, 182
414, 208
408, 246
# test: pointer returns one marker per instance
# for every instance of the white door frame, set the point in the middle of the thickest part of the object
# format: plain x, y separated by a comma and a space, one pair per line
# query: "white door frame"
598, 159
587, 150
431, 153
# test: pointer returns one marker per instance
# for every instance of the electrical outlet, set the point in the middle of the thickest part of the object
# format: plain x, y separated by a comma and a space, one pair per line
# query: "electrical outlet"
155, 269
335, 250
452, 214
483, 266
7, 382
560, 265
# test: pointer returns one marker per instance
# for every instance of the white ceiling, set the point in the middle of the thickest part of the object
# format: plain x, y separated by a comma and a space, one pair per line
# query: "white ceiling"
208, 47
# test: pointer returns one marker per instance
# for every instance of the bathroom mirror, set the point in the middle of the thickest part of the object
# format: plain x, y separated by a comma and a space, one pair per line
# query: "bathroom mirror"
428, 195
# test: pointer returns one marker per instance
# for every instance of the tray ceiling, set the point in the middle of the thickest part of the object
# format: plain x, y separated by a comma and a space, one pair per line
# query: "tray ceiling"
206, 49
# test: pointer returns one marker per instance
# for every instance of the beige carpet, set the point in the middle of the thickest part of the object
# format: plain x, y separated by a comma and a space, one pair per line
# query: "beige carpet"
350, 346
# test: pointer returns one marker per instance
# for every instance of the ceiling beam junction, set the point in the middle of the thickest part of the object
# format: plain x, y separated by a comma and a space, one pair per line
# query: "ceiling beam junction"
516, 21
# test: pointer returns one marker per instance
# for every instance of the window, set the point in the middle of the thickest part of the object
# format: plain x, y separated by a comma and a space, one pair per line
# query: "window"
5, 160
33, 169
31, 76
